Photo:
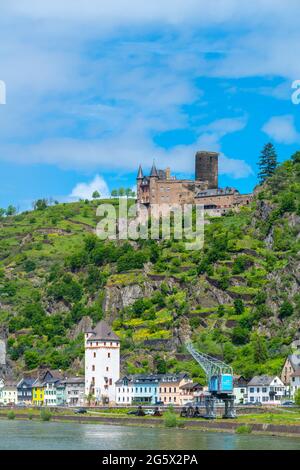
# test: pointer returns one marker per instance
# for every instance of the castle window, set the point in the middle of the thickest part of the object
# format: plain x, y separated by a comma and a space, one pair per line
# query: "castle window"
108, 355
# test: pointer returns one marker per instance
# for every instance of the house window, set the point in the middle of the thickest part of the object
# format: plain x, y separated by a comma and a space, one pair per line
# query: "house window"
264, 389
94, 354
107, 369
93, 368
251, 390
108, 355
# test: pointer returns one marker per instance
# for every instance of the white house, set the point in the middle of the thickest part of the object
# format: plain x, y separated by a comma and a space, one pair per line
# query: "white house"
102, 363
240, 389
266, 390
294, 383
9, 394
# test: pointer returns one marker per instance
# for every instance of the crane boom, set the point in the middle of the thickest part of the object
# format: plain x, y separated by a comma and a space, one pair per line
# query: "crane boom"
210, 365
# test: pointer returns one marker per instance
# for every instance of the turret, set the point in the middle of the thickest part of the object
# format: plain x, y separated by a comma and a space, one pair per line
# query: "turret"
140, 175
154, 172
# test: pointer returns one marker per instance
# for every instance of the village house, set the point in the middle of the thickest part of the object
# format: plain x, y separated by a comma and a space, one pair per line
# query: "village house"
266, 390
74, 391
51, 389
140, 388
24, 390
9, 393
294, 383
190, 392
240, 389
169, 388
291, 366
102, 364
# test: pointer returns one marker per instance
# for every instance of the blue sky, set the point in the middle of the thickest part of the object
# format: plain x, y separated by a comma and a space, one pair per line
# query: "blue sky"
95, 88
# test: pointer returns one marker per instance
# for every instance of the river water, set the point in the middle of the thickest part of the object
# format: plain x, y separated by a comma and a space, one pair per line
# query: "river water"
19, 435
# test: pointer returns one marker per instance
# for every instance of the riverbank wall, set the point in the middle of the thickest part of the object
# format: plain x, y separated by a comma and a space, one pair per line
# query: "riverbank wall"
204, 425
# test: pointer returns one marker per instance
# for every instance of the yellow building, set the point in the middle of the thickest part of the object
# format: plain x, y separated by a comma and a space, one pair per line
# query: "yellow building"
38, 393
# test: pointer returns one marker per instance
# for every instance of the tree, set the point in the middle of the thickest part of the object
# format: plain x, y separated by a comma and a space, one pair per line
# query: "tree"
286, 310
260, 351
11, 210
40, 204
121, 192
297, 397
2, 212
114, 193
267, 162
96, 195
239, 306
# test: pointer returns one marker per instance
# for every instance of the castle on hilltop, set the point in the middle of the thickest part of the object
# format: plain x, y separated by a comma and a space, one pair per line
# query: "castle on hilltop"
160, 187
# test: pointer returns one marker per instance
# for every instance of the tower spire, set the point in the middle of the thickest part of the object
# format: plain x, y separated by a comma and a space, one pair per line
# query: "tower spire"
153, 173
140, 175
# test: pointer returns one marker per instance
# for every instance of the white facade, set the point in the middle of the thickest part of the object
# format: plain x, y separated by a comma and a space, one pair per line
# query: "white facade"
102, 364
266, 390
8, 395
240, 394
124, 393
294, 384
50, 394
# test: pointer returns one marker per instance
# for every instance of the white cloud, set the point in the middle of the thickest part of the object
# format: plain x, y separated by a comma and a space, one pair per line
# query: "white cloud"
86, 190
116, 85
282, 129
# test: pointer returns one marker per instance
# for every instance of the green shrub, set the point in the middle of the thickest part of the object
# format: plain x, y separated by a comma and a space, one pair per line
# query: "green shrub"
244, 429
170, 419
11, 415
45, 414
30, 416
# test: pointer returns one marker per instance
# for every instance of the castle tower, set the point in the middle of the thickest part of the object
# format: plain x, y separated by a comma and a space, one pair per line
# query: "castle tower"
102, 363
139, 180
206, 168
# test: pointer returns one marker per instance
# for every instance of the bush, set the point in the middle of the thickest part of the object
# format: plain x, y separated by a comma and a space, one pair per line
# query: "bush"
170, 419
297, 397
244, 429
46, 414
286, 310
11, 415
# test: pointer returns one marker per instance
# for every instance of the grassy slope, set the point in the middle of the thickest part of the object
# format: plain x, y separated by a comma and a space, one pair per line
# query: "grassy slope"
43, 297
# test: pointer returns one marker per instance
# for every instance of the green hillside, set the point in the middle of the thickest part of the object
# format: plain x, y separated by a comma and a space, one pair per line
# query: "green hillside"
238, 298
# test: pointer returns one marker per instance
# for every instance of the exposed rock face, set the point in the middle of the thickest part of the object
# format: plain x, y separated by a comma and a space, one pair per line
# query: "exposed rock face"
3, 336
276, 285
117, 298
55, 307
84, 325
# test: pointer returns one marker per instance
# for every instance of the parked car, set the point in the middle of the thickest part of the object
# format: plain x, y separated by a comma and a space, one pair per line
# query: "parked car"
21, 404
249, 403
80, 411
159, 403
149, 412
132, 412
288, 403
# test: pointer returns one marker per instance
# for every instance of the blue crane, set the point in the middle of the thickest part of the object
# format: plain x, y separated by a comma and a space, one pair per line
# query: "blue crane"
220, 382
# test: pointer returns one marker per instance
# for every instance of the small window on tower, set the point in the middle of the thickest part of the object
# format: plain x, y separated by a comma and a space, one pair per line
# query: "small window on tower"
108, 355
